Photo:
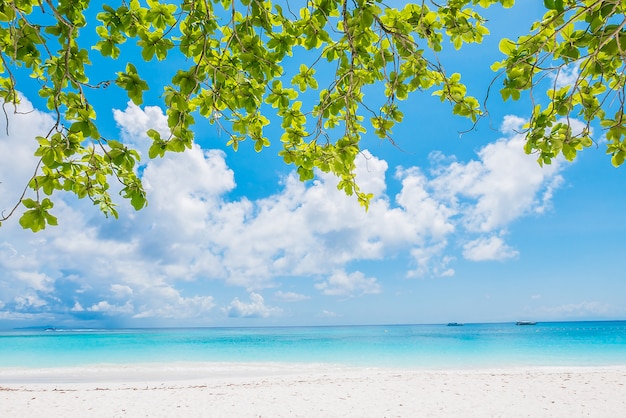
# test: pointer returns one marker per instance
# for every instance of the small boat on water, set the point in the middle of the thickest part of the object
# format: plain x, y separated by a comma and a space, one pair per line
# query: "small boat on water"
455, 324
525, 323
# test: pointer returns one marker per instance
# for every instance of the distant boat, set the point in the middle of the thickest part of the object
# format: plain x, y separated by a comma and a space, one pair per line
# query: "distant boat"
525, 323
455, 324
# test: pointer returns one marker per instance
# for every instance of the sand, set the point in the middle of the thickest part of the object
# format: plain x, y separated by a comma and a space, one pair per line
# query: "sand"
291, 390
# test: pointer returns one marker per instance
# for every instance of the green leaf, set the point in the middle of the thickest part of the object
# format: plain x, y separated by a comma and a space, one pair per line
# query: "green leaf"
569, 152
32, 220
618, 158
30, 203
507, 46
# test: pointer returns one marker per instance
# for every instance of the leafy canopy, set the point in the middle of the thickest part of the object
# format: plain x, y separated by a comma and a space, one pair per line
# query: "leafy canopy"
235, 53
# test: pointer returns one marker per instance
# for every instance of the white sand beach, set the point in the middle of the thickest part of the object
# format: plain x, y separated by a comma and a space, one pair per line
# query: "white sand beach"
290, 390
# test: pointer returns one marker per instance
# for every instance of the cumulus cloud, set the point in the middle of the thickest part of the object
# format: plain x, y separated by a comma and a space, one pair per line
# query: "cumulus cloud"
36, 281
427, 217
341, 283
291, 296
121, 291
256, 308
195, 231
134, 122
185, 206
488, 248
431, 261
28, 302
111, 309
502, 185
239, 237
77, 307
167, 302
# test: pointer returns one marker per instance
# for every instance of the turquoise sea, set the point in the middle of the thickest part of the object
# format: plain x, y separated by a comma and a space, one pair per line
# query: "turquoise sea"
407, 346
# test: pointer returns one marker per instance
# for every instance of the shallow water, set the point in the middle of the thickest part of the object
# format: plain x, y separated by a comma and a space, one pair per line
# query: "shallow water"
413, 346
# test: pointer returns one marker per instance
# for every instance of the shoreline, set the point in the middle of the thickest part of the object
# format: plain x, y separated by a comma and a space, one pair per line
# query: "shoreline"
194, 370
310, 390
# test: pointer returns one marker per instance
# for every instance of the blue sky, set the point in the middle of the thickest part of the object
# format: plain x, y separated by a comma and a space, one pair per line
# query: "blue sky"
463, 228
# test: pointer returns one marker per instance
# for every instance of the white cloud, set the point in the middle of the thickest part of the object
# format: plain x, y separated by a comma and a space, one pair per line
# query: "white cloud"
256, 308
566, 76
28, 302
134, 122
291, 296
499, 187
431, 261
371, 173
167, 302
77, 307
512, 125
341, 283
25, 316
193, 230
316, 230
488, 248
545, 201
111, 309
185, 189
36, 281
425, 216
328, 314
121, 291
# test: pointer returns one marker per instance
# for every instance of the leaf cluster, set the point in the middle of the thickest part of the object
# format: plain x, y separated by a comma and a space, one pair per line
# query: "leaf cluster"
43, 38
583, 38
236, 51
238, 55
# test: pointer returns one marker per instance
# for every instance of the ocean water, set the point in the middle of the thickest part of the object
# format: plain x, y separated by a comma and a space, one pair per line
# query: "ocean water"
406, 346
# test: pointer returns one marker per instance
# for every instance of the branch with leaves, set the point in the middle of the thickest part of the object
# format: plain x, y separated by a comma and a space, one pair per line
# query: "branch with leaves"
588, 38
237, 52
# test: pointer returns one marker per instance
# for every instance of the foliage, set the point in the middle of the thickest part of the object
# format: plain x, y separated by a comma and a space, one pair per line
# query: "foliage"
237, 52
587, 37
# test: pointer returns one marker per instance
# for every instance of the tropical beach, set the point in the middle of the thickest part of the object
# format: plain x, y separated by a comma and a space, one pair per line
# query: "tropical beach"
314, 208
283, 390
482, 370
